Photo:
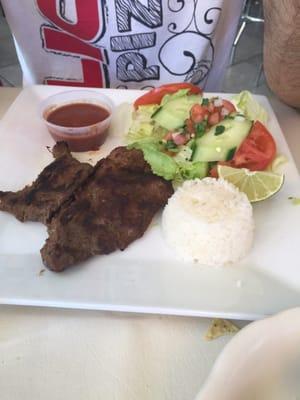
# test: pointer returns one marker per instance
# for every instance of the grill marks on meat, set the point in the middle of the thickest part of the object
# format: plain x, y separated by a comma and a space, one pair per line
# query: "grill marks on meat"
89, 210
53, 187
112, 209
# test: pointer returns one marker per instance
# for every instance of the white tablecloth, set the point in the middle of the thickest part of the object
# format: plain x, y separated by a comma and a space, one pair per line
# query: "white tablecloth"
63, 354
81, 355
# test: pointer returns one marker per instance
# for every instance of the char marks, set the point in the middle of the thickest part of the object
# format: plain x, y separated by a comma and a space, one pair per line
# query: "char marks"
113, 208
89, 210
52, 188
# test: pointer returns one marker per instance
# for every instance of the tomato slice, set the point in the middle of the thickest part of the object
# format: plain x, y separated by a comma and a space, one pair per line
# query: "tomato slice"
228, 106
257, 151
214, 118
214, 172
198, 113
211, 108
155, 95
190, 126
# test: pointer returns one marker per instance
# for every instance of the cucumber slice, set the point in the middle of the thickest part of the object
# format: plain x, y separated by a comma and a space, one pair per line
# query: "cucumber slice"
173, 114
214, 146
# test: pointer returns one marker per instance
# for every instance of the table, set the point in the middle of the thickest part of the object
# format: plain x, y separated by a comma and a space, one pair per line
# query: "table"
69, 354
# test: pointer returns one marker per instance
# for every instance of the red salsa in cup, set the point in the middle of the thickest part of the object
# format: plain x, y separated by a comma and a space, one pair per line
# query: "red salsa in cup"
82, 125
82, 122
77, 115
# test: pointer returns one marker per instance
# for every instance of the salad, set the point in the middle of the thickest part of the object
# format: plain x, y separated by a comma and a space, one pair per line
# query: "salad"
186, 135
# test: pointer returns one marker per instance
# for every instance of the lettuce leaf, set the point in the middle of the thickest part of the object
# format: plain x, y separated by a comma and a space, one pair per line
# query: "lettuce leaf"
146, 135
160, 163
252, 110
169, 167
193, 170
143, 126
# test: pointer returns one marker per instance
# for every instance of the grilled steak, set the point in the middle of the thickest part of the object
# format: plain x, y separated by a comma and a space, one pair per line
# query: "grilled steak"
54, 186
109, 211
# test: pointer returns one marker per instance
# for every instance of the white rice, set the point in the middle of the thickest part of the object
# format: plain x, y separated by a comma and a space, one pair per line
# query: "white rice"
209, 221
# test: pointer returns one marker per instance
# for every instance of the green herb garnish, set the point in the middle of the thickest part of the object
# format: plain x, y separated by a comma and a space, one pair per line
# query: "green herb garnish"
230, 154
212, 164
219, 130
193, 146
205, 102
200, 129
170, 145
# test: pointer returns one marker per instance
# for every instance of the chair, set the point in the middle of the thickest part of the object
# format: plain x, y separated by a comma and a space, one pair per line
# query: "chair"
248, 17
1, 10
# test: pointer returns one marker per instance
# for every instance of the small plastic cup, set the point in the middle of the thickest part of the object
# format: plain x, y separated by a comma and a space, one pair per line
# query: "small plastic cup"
83, 138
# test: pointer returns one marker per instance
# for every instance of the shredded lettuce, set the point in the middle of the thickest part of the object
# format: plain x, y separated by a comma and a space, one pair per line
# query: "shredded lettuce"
173, 96
193, 170
143, 126
252, 110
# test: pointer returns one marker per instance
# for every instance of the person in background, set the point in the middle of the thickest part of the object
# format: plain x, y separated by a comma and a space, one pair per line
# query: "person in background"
282, 49
123, 43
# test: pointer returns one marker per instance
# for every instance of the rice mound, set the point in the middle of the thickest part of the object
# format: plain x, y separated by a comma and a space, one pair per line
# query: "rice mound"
209, 221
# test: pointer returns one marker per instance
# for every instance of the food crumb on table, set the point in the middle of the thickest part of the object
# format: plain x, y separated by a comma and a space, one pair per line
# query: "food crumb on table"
220, 327
295, 200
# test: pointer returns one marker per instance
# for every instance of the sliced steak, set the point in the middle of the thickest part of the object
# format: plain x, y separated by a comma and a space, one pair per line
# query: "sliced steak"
111, 210
52, 188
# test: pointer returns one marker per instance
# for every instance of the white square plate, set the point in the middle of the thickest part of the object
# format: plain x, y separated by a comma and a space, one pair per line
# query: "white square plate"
145, 277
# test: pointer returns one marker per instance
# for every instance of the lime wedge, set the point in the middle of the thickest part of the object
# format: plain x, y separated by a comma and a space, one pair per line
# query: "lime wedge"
258, 185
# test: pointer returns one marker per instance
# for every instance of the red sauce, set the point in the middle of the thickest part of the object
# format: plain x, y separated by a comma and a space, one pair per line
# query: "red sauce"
77, 115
